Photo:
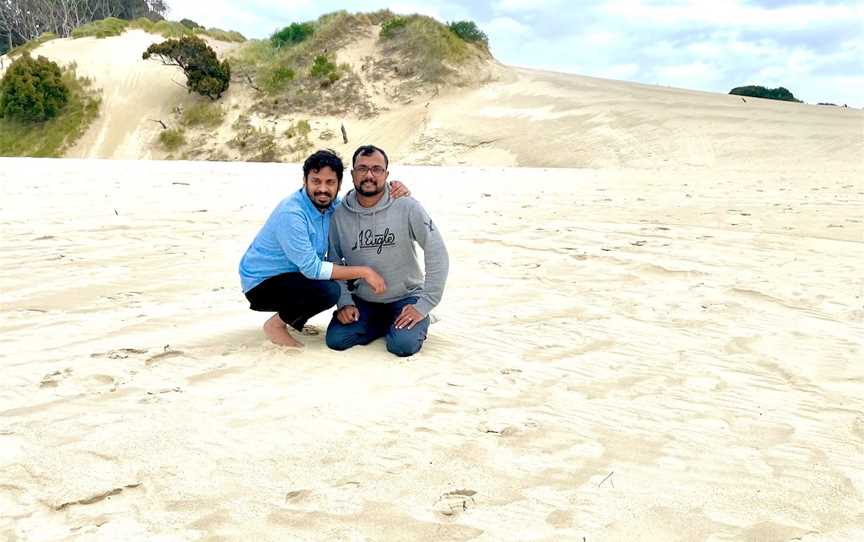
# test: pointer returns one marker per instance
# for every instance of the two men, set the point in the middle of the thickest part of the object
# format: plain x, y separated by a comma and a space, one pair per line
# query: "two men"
284, 269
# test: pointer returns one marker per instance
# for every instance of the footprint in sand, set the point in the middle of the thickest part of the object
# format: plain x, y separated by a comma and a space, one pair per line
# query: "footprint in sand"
455, 502
52, 380
504, 429
120, 353
163, 355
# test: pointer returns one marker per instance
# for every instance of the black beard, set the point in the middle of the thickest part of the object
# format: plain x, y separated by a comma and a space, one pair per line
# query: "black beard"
369, 193
318, 205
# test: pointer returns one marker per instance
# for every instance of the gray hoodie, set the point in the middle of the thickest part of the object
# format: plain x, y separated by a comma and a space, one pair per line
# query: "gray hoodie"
382, 237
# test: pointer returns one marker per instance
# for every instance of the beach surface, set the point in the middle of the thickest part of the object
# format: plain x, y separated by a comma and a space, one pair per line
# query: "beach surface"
666, 353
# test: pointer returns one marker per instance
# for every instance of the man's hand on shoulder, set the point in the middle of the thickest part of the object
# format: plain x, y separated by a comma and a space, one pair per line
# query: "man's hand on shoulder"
398, 190
408, 317
348, 314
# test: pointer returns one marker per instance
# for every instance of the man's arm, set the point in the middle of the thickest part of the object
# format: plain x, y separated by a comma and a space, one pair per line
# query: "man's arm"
293, 237
334, 255
436, 259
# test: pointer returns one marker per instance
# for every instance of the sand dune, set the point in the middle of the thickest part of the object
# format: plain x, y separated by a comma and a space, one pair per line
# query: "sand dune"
621, 355
509, 117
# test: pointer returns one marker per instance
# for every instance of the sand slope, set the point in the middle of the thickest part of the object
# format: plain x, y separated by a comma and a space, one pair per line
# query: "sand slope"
508, 117
622, 355
135, 93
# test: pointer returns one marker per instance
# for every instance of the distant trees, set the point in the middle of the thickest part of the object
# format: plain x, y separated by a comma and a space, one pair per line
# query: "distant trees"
24, 20
32, 90
190, 24
756, 91
204, 73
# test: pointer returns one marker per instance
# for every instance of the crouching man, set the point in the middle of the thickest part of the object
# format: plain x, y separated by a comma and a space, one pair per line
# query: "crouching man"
371, 229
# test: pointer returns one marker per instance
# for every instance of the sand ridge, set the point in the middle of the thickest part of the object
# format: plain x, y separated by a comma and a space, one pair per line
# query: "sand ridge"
505, 117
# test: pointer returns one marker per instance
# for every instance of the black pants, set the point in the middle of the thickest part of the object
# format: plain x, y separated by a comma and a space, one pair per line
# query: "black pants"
295, 297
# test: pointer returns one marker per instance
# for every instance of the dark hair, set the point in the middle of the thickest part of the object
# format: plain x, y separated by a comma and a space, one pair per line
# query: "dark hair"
369, 150
321, 159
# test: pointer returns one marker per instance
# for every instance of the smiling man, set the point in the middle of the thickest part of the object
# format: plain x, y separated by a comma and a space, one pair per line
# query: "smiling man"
371, 228
284, 269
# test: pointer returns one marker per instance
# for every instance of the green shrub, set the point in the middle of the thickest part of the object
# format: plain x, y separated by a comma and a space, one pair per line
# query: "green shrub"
222, 35
101, 29
324, 68
468, 31
300, 128
32, 44
379, 17
190, 24
390, 26
204, 73
142, 23
278, 78
757, 91
32, 90
292, 34
423, 47
170, 29
51, 137
172, 139
205, 114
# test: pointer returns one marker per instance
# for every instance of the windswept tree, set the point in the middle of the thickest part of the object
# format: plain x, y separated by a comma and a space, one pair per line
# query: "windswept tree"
204, 73
24, 20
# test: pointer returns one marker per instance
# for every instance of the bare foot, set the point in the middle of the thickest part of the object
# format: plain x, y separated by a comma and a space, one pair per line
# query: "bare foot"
277, 332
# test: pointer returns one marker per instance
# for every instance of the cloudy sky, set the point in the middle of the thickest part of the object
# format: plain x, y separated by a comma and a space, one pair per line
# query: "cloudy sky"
813, 48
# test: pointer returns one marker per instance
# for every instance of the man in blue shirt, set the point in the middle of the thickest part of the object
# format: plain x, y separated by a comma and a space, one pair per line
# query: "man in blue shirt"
284, 269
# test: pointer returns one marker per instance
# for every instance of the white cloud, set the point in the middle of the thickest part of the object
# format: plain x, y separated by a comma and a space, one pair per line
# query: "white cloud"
732, 12
502, 27
694, 75
686, 43
521, 6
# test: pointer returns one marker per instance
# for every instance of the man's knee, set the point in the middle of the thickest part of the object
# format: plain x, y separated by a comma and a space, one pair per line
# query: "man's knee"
404, 344
342, 337
337, 339
331, 291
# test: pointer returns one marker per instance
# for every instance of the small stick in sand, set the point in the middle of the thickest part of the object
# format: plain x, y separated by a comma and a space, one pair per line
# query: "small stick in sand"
608, 476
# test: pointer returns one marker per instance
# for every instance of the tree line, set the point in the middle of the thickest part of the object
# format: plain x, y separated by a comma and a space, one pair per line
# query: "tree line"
23, 20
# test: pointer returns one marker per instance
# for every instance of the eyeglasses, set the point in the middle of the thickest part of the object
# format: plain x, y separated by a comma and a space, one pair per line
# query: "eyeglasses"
363, 170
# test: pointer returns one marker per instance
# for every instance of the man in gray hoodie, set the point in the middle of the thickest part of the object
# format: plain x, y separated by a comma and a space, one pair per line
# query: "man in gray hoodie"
371, 229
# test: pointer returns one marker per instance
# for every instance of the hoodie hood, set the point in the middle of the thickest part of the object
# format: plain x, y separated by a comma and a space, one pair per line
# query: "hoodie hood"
352, 205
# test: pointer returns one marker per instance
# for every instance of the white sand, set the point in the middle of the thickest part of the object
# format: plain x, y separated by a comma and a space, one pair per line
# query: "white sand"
664, 347
622, 355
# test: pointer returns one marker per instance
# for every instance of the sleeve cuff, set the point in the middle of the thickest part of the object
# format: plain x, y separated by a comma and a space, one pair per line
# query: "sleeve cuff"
345, 299
423, 306
326, 271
